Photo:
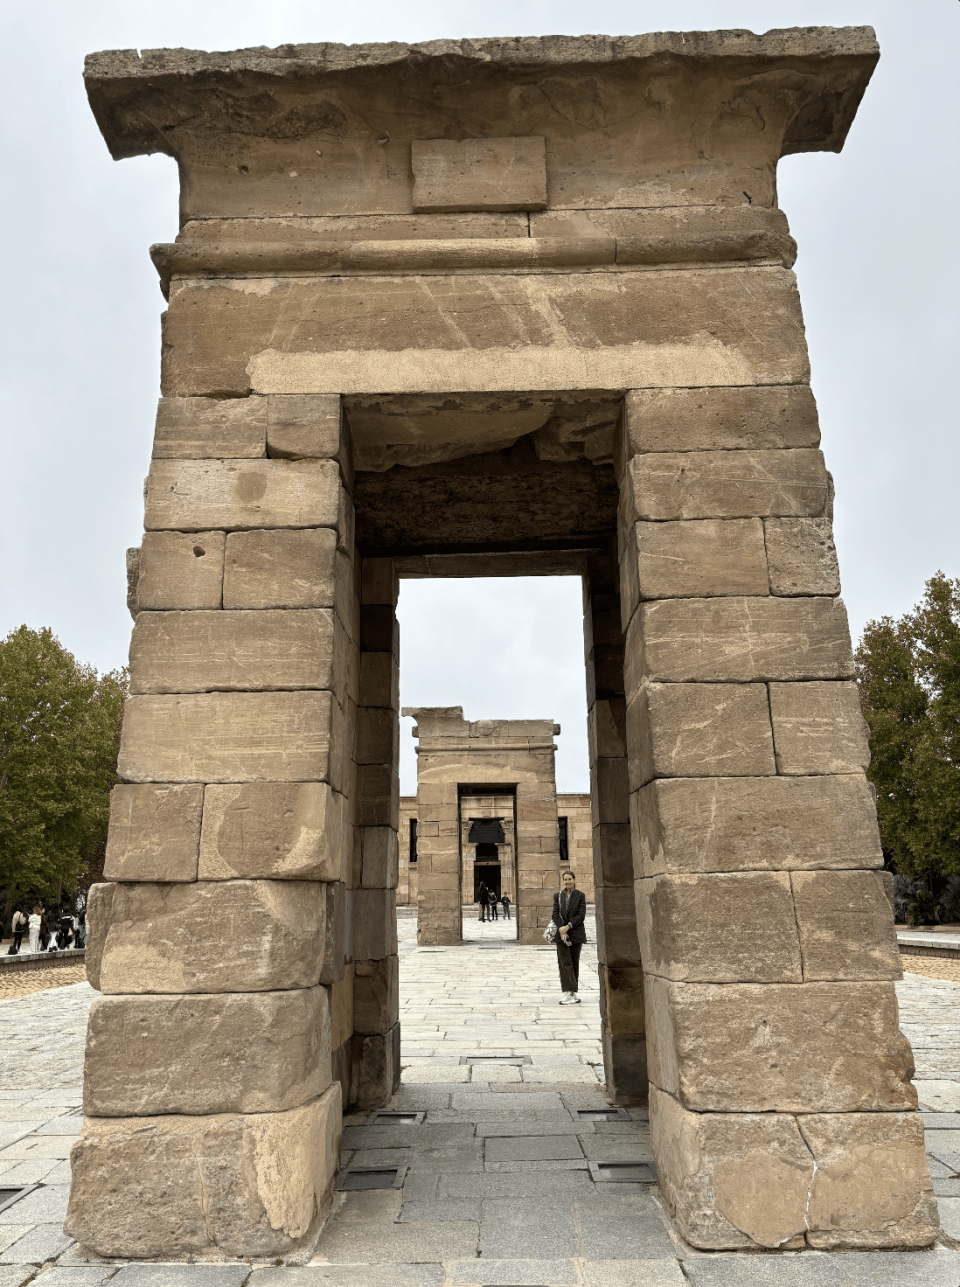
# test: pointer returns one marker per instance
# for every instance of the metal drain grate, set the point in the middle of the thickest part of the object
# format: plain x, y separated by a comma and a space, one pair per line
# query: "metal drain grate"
623, 1172
610, 1114
370, 1177
515, 1060
10, 1195
396, 1119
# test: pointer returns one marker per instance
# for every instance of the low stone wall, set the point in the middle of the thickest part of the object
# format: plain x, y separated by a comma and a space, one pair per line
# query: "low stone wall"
42, 960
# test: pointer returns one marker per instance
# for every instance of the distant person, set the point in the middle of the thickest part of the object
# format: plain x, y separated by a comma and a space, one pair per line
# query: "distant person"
569, 913
506, 906
18, 928
482, 899
494, 905
34, 924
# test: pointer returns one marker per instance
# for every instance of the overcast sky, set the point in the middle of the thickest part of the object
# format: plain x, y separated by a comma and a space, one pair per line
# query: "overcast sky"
80, 325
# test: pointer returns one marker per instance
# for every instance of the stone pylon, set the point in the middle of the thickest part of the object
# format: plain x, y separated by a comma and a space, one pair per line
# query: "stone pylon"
477, 308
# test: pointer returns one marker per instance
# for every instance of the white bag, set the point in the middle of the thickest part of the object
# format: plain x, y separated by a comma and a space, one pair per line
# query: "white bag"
550, 933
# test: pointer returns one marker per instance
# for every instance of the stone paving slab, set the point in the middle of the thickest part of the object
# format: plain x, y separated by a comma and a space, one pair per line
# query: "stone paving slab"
42, 1243
634, 1273
532, 1148
415, 1275
181, 1276
76, 1276
404, 1243
936, 1268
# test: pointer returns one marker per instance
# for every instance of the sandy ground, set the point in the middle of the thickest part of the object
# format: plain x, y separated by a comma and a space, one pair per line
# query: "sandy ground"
20, 983
932, 967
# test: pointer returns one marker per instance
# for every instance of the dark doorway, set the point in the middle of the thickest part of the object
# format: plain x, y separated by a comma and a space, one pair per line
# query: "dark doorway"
486, 869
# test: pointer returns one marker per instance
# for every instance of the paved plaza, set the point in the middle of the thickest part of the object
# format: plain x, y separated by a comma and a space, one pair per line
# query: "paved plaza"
498, 1188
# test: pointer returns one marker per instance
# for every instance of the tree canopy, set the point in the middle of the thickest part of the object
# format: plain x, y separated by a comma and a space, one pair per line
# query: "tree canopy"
59, 736
909, 676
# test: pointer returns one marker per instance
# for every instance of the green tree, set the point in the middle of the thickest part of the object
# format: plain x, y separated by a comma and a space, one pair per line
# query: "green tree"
59, 737
909, 676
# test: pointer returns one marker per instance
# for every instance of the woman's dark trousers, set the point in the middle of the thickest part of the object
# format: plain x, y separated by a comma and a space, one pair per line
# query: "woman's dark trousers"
568, 959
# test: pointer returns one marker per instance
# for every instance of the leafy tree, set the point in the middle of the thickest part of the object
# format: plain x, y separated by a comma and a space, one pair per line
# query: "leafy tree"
59, 737
909, 676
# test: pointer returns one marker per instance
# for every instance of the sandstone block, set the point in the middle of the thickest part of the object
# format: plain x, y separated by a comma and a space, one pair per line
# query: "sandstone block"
271, 830
379, 629
199, 428
801, 556
374, 924
292, 568
379, 582
699, 730
376, 995
341, 1061
606, 728
378, 735
154, 833
612, 854
304, 427
818, 728
609, 792
739, 640
180, 570
379, 857
99, 916
732, 928
723, 484
479, 174
262, 1052
378, 796
198, 652
711, 419
625, 1068
227, 737
335, 940
846, 926
740, 824
872, 1186
779, 1047
692, 560
616, 926
604, 667
731, 1180
254, 1184
376, 1068
193, 495
621, 999
132, 560
379, 680
341, 1008
170, 938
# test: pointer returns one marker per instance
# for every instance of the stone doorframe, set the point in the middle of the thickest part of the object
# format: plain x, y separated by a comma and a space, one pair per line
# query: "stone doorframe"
595, 251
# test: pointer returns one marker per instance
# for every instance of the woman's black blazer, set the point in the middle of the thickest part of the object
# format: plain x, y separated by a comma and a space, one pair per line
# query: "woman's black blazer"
576, 911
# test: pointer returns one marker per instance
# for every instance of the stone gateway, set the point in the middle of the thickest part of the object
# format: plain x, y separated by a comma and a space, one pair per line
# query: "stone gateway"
489, 308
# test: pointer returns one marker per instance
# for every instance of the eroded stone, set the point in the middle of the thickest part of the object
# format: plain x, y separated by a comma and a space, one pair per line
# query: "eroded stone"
275, 830
819, 728
180, 570
154, 833
846, 925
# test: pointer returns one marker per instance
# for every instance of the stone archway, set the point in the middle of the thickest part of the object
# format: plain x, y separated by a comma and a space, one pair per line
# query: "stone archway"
602, 342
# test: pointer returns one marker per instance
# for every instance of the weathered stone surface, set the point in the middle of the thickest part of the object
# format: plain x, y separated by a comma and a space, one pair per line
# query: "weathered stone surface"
723, 484
378, 796
731, 1180
341, 1008
692, 560
379, 680
378, 735
286, 569
738, 824
801, 556
699, 730
99, 917
379, 582
737, 927
192, 495
616, 926
180, 570
606, 728
379, 857
263, 1052
304, 428
337, 941
846, 925
484, 332
609, 793
376, 995
625, 1067
818, 728
710, 419
227, 737
872, 1185
479, 174
374, 924
621, 998
271, 830
242, 1185
217, 428
201, 652
168, 938
154, 833
376, 1068
779, 1047
680, 640
612, 850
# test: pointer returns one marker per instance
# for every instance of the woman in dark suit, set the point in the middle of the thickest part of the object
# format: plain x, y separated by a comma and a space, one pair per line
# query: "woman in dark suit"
569, 912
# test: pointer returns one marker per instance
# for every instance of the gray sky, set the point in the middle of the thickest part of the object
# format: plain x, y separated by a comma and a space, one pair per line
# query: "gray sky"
80, 325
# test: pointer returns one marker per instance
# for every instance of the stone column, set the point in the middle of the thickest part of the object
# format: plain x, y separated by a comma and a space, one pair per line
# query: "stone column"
782, 1112
376, 980
209, 1051
538, 839
439, 895
621, 977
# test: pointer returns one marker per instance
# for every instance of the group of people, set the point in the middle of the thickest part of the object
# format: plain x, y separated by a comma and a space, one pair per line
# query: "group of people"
491, 902
56, 931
